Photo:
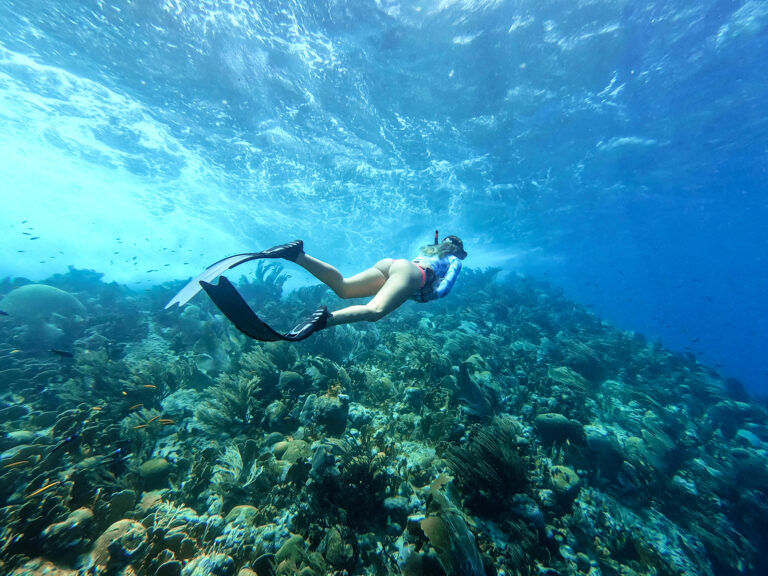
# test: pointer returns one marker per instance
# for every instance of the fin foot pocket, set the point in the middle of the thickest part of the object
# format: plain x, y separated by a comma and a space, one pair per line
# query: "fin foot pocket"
313, 324
289, 251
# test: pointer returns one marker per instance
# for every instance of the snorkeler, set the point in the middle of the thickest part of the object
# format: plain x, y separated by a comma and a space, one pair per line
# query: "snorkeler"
390, 282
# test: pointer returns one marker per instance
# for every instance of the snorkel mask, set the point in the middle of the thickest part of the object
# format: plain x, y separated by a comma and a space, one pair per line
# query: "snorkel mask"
460, 253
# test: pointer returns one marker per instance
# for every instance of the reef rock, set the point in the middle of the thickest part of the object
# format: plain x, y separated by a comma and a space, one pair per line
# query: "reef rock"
154, 473
747, 438
124, 542
69, 533
327, 411
169, 568
293, 558
397, 509
565, 483
413, 396
210, 565
243, 515
292, 450
291, 382
555, 427
292, 549
16, 438
339, 548
525, 507
117, 505
277, 418
40, 567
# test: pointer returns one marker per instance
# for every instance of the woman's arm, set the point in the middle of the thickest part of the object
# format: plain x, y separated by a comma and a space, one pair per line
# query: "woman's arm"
445, 285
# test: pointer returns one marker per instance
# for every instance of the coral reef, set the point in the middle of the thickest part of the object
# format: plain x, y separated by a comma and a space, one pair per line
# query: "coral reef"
515, 433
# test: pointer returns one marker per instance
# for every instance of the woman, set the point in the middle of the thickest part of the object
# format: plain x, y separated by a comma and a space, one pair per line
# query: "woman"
429, 276
391, 282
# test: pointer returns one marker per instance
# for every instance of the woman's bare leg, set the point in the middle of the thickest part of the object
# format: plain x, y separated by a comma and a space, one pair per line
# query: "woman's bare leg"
403, 279
360, 285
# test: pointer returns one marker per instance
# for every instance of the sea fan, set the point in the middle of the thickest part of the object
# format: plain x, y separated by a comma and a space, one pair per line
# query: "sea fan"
449, 534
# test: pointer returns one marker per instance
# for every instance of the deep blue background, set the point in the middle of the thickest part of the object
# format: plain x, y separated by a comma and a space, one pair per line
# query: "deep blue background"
617, 149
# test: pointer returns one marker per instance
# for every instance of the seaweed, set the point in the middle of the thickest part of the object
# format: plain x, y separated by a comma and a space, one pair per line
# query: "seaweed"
351, 479
475, 398
268, 282
491, 468
231, 405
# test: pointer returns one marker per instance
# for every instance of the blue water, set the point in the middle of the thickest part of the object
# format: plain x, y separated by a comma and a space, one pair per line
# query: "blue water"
618, 149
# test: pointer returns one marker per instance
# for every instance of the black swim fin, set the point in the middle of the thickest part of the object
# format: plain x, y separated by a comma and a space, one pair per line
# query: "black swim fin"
289, 251
232, 305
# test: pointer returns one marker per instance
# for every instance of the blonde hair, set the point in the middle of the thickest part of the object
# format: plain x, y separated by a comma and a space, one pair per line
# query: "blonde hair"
441, 250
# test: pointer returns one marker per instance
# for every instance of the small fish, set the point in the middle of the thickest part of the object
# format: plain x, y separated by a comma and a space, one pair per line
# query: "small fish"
118, 456
24, 221
44, 489
68, 440
3, 313
15, 464
150, 386
97, 408
152, 270
35, 238
152, 419
15, 351
135, 407
140, 426
166, 421
62, 353
26, 234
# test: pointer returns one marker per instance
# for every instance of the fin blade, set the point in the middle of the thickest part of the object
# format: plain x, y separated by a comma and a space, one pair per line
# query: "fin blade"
232, 305
208, 275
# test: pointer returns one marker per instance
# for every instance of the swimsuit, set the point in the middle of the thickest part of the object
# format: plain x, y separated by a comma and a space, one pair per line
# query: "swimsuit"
427, 274
438, 276
423, 276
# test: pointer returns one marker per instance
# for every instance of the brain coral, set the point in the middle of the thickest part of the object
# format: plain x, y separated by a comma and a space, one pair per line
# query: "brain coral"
40, 302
